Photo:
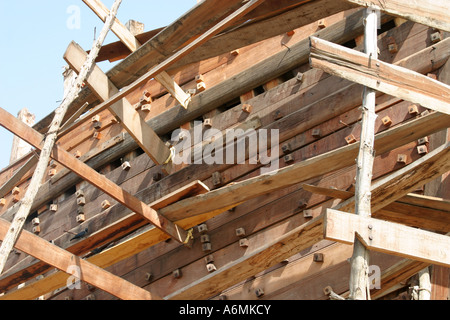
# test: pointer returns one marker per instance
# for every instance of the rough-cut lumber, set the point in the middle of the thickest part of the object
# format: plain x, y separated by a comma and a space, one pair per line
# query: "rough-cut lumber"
378, 75
259, 259
406, 179
34, 138
388, 237
49, 142
364, 167
65, 261
18, 175
146, 138
302, 171
249, 6
433, 13
133, 44
105, 258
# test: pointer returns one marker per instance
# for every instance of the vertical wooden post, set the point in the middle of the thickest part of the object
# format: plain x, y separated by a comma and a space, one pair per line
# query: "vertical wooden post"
50, 139
19, 147
359, 286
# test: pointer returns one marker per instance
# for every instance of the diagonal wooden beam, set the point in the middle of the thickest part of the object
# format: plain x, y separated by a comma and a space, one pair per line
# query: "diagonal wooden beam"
225, 23
65, 261
133, 44
433, 13
34, 138
378, 75
130, 119
18, 175
388, 237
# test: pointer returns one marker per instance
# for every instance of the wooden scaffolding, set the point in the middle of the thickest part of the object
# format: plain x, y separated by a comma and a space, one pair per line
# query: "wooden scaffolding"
117, 217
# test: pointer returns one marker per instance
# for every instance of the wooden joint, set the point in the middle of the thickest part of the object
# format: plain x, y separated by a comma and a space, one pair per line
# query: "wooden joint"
199, 78
318, 257
35, 222
235, 53
322, 24
15, 191
277, 115
402, 158
216, 179
97, 125
204, 238
81, 218
81, 201
77, 154
413, 109
423, 140
289, 158
247, 108
350, 139
148, 276
2, 202
435, 37
244, 243
316, 133
386, 121
97, 135
259, 292
106, 205
422, 150
211, 267
240, 232
91, 297
207, 123
307, 213
53, 207
52, 172
290, 33
201, 86
36, 229
209, 259
202, 228
177, 274
126, 166
206, 247
95, 118
300, 77
79, 193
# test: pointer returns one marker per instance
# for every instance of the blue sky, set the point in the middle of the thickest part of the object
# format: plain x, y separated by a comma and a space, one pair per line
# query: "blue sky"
34, 36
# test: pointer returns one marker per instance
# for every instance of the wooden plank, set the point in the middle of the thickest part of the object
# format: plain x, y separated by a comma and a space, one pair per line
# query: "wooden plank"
378, 75
105, 258
299, 172
433, 13
133, 44
34, 138
406, 179
249, 6
64, 261
18, 175
146, 138
388, 237
259, 259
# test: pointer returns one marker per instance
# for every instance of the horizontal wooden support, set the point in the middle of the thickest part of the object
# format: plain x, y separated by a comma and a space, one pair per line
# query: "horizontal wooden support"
246, 8
378, 75
108, 257
35, 139
432, 13
135, 125
388, 237
67, 262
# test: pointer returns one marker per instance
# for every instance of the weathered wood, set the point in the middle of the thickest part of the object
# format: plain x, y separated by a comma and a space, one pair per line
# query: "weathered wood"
66, 262
388, 237
50, 139
95, 178
371, 72
427, 12
146, 138
105, 258
18, 175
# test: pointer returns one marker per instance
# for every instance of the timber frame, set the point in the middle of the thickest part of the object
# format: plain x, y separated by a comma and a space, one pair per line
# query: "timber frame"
153, 228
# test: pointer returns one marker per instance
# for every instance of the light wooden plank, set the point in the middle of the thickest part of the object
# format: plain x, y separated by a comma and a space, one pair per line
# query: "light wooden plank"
433, 13
64, 260
133, 44
378, 75
100, 181
113, 255
130, 119
249, 6
388, 237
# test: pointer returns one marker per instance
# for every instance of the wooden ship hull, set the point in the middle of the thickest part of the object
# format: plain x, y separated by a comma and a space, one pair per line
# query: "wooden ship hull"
249, 234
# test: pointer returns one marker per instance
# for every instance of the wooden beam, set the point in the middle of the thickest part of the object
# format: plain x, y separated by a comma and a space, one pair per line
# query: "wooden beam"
65, 261
405, 180
18, 175
433, 13
105, 258
130, 119
66, 159
133, 44
378, 75
259, 259
388, 237
249, 6
302, 171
